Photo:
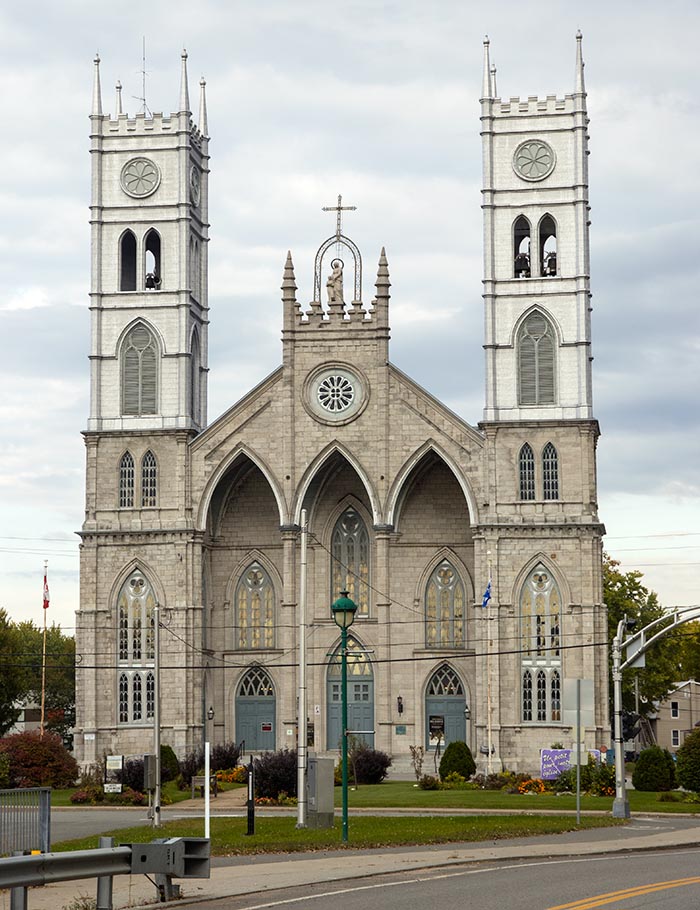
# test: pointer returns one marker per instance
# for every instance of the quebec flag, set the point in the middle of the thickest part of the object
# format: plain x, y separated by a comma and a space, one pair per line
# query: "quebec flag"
487, 595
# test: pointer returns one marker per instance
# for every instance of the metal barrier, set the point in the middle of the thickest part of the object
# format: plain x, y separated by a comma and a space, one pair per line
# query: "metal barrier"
25, 820
176, 857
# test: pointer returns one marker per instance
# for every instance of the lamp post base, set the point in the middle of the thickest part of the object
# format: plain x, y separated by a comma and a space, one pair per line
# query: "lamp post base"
621, 808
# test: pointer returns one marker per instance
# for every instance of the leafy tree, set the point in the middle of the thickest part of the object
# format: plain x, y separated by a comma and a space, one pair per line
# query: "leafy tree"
688, 765
689, 656
11, 681
39, 761
625, 595
652, 771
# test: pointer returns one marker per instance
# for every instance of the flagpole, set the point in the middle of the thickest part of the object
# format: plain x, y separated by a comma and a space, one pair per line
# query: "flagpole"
489, 732
43, 652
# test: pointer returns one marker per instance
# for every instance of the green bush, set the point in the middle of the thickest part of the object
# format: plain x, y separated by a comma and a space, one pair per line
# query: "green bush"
39, 761
4, 771
428, 782
276, 772
169, 765
651, 771
688, 763
369, 766
457, 757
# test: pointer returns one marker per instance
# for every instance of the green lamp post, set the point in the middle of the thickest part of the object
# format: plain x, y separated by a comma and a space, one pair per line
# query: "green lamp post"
343, 612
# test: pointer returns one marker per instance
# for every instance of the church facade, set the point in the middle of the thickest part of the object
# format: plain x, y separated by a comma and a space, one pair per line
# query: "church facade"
473, 553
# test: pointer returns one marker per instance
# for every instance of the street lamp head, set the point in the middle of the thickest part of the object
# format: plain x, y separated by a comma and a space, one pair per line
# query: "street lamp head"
343, 611
210, 713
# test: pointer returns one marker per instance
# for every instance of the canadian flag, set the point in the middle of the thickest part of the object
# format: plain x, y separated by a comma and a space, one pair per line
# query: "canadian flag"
46, 591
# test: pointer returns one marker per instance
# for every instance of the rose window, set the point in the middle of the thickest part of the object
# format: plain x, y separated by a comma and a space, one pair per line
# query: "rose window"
140, 177
335, 393
533, 160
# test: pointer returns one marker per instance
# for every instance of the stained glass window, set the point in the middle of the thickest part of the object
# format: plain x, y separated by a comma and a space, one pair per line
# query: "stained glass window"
444, 608
255, 611
540, 643
350, 560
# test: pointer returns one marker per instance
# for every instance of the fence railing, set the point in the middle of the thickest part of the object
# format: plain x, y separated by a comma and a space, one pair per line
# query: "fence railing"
25, 820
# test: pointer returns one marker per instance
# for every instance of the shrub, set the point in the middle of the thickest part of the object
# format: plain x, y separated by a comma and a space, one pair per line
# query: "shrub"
688, 763
4, 770
38, 761
651, 772
169, 765
596, 779
276, 772
224, 756
369, 766
457, 757
428, 782
191, 765
502, 780
131, 775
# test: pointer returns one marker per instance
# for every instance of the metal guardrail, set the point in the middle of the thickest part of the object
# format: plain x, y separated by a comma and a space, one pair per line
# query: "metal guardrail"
25, 820
176, 857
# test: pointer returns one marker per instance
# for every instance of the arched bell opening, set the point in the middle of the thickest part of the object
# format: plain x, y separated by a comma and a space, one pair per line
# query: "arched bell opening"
521, 248
548, 247
153, 279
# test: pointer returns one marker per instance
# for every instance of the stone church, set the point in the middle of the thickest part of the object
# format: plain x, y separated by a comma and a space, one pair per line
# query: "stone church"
473, 553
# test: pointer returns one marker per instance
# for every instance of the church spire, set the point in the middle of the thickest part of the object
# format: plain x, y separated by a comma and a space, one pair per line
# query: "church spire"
96, 90
289, 295
580, 86
203, 125
184, 90
486, 88
118, 105
382, 285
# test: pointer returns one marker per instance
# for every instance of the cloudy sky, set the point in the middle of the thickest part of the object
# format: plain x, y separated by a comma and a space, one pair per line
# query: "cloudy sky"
377, 101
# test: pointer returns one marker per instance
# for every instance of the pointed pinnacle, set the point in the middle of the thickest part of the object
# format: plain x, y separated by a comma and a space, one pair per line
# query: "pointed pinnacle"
184, 89
382, 273
486, 81
580, 85
288, 280
203, 124
118, 105
96, 90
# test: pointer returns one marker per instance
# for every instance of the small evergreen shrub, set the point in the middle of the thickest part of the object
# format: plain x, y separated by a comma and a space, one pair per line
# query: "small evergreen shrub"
169, 765
688, 763
224, 756
429, 782
38, 761
276, 772
457, 757
368, 766
651, 772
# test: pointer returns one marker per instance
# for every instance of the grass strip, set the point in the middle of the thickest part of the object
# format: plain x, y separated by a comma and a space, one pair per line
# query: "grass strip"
280, 835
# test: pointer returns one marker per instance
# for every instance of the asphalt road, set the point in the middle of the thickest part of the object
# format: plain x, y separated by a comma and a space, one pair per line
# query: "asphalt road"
668, 880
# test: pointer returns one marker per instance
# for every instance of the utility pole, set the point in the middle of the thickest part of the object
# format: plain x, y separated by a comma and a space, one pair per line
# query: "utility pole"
621, 806
302, 707
156, 716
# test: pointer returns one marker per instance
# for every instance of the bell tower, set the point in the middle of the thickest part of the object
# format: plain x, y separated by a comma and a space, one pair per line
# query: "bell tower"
148, 292
536, 253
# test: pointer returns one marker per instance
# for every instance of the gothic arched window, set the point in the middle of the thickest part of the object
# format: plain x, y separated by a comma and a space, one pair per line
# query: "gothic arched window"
127, 262
149, 480
548, 246
540, 642
255, 610
154, 277
444, 608
350, 559
536, 361
139, 372
550, 472
194, 377
126, 481
526, 472
135, 649
521, 247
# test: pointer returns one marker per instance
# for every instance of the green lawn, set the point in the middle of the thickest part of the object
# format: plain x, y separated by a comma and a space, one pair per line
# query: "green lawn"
170, 795
403, 794
280, 835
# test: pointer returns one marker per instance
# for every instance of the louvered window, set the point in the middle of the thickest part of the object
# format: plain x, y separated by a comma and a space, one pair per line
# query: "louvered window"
540, 648
550, 472
126, 481
139, 372
526, 472
536, 361
444, 608
149, 480
350, 560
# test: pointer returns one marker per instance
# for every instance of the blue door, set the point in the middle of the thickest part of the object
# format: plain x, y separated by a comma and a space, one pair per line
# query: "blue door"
360, 696
444, 709
255, 711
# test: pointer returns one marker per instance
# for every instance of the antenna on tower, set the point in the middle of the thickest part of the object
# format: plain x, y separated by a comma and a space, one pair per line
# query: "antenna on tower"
144, 107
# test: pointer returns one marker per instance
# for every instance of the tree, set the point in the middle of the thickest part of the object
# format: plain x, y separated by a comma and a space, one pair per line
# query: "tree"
625, 595
688, 765
11, 682
21, 654
689, 657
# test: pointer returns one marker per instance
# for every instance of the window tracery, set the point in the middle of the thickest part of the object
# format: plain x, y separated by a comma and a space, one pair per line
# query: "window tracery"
350, 559
540, 628
444, 608
255, 611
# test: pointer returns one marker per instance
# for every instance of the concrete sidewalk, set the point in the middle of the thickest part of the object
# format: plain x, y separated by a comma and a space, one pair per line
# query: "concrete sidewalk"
264, 874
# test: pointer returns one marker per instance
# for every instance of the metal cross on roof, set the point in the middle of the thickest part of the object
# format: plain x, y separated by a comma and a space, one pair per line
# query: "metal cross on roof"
339, 208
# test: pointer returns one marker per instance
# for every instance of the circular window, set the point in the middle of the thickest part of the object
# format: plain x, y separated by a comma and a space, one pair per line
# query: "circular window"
194, 185
534, 160
140, 177
335, 394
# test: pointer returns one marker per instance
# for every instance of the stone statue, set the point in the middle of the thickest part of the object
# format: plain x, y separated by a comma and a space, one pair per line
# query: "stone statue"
335, 282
